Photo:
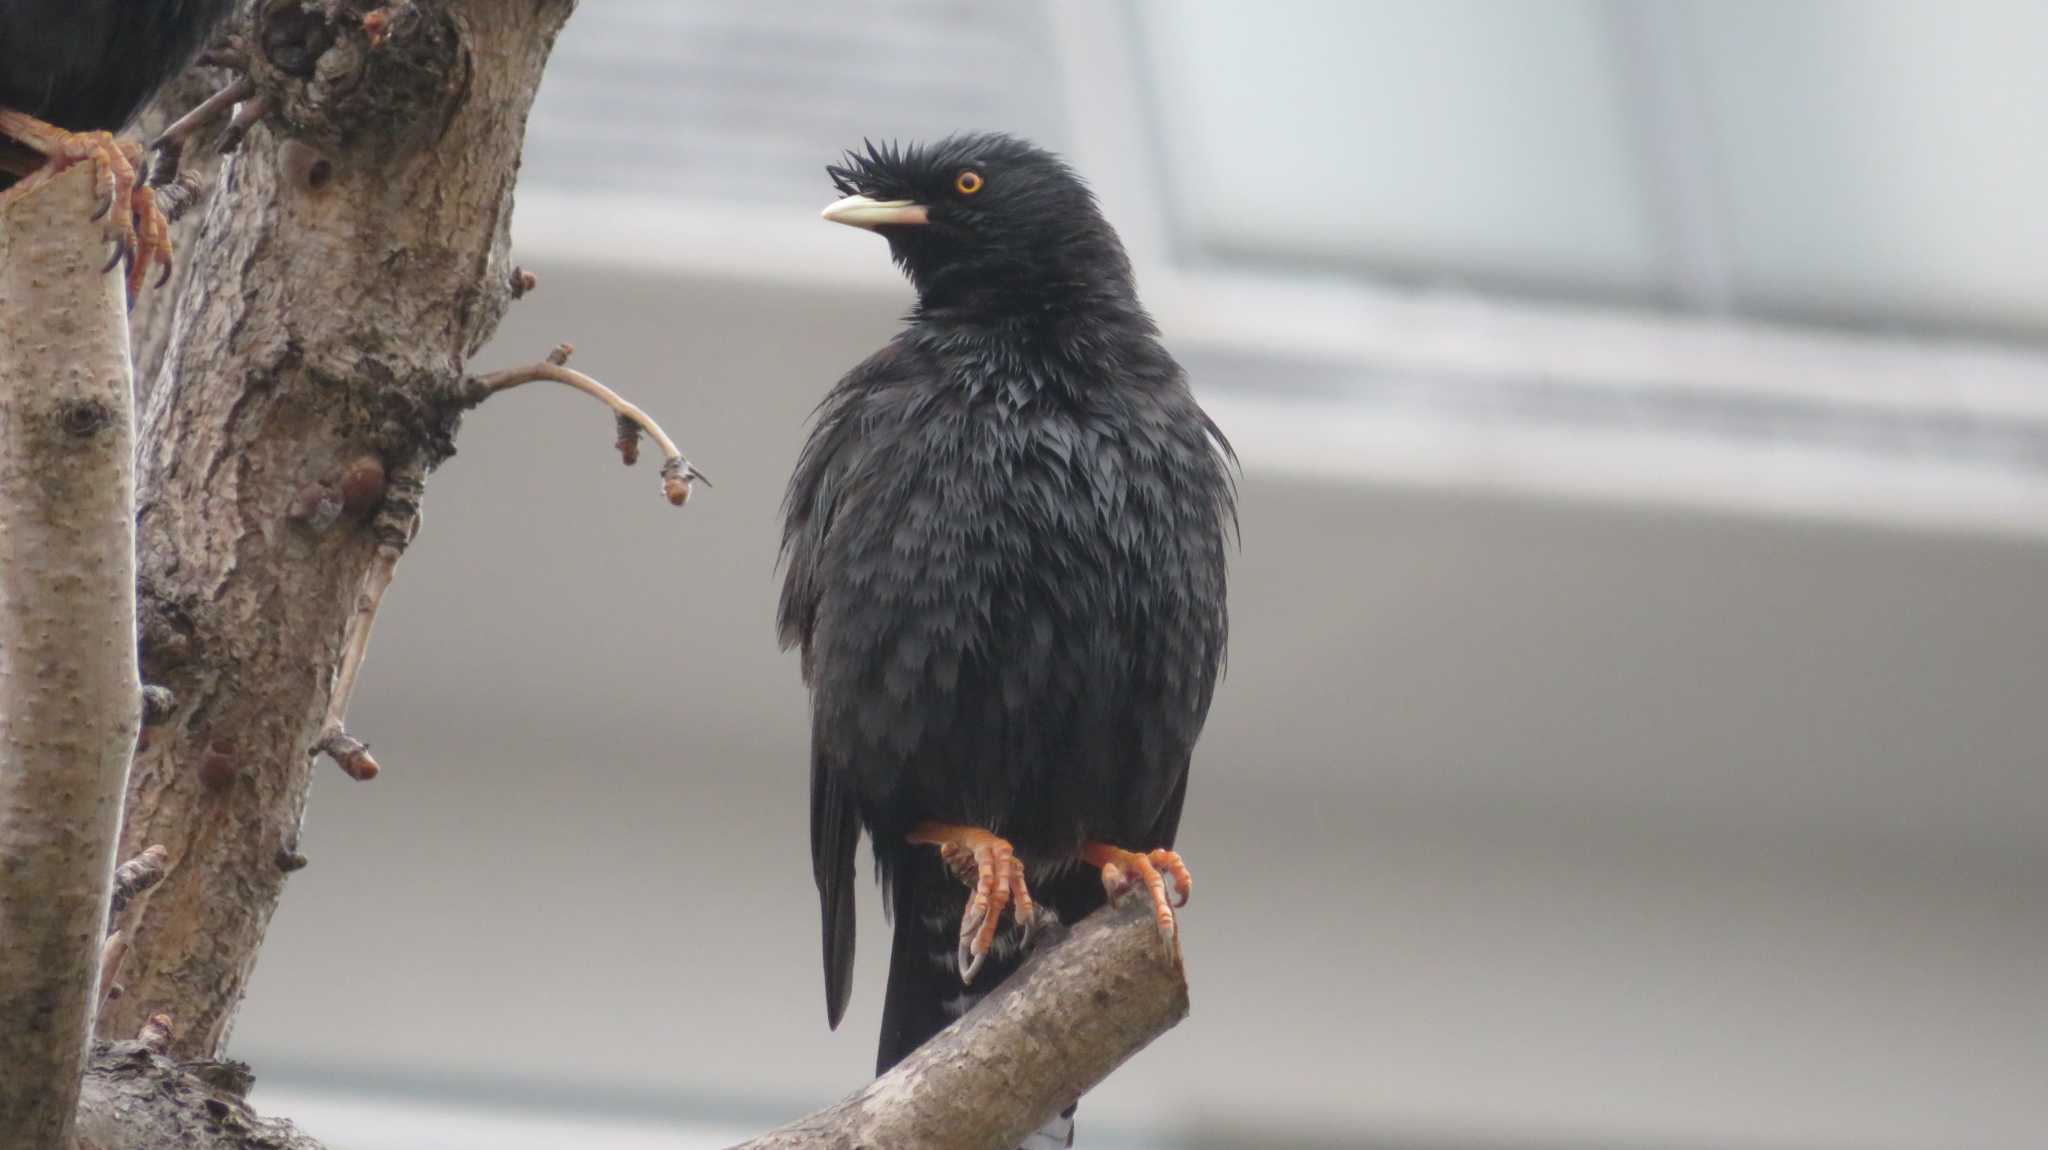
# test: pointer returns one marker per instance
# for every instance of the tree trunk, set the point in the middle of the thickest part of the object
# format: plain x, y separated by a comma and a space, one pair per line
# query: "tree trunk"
70, 702
352, 256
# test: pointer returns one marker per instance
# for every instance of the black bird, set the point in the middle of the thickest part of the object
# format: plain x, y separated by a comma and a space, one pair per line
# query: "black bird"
1005, 549
72, 73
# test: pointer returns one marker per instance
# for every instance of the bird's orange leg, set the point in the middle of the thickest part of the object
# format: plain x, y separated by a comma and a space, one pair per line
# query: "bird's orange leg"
140, 233
989, 865
1160, 872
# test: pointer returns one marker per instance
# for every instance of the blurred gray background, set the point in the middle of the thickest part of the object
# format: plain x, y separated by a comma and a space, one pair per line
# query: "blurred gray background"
1635, 732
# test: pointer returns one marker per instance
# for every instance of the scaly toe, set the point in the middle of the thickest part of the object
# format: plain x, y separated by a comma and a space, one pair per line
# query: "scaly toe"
1179, 883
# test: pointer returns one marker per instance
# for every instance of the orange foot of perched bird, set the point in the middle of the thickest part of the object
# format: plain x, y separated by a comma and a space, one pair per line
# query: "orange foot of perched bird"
138, 229
990, 866
1160, 872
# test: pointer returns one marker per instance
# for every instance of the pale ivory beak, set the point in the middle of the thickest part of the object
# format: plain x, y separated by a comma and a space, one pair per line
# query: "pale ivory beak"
862, 212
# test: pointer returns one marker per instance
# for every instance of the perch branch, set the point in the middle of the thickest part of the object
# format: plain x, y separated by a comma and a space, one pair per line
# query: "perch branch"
676, 471
70, 698
1074, 1012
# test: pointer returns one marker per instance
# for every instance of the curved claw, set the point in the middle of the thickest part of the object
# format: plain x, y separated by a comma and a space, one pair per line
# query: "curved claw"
990, 866
114, 177
1161, 873
1180, 884
153, 241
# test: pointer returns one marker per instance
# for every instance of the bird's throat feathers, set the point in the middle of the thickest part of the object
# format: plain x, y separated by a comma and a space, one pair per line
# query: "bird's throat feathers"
1080, 276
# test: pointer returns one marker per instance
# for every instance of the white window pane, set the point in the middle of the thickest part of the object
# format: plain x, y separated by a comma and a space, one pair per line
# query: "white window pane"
1447, 137
1882, 160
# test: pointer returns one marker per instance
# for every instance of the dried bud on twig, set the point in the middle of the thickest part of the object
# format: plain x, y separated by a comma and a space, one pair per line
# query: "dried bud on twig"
349, 753
631, 423
629, 441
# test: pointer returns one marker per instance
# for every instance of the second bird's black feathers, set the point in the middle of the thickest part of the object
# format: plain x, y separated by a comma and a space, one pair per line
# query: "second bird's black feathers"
90, 65
1005, 563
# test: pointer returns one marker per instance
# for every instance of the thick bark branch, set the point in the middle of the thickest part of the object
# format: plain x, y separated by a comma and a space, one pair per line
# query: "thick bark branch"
1072, 1014
70, 703
351, 256
137, 1099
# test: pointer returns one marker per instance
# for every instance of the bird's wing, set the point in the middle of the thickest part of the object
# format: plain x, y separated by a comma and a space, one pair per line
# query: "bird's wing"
808, 511
1177, 621
808, 506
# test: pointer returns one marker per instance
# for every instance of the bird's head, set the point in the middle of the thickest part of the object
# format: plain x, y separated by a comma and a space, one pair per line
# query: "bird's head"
984, 217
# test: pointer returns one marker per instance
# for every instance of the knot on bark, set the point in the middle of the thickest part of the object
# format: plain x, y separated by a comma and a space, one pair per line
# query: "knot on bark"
343, 82
84, 418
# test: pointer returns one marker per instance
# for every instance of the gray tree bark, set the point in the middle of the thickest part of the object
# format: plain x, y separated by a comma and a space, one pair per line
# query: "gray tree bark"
70, 703
351, 256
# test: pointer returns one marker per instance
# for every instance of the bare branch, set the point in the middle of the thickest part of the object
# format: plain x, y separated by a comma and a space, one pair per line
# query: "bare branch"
1075, 1011
676, 471
247, 113
397, 522
204, 113
70, 699
132, 882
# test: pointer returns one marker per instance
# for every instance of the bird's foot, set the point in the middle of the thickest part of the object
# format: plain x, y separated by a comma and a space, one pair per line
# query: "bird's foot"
1161, 873
140, 234
990, 867
152, 241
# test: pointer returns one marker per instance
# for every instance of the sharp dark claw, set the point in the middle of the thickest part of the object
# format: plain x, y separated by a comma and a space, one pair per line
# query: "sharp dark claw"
163, 277
970, 962
120, 253
106, 205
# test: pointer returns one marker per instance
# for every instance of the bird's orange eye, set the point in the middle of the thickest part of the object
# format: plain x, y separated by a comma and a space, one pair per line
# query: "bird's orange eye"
967, 182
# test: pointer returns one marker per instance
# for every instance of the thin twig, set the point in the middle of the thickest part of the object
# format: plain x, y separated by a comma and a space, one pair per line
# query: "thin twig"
245, 117
676, 472
132, 882
205, 112
397, 522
